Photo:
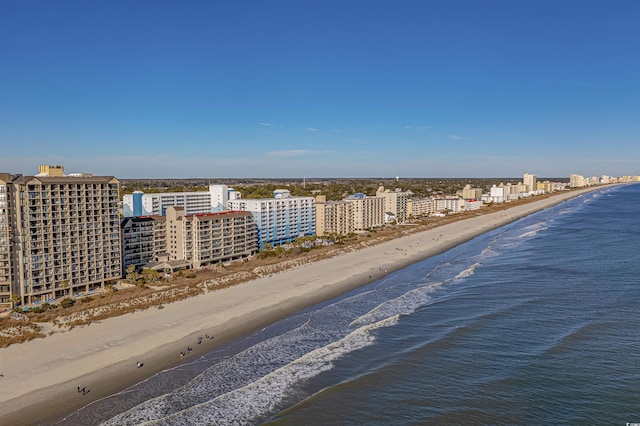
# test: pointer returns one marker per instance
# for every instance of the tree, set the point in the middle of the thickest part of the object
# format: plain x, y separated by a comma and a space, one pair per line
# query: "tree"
150, 275
16, 299
132, 275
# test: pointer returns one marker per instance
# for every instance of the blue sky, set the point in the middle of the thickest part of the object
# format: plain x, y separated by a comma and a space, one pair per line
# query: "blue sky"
450, 88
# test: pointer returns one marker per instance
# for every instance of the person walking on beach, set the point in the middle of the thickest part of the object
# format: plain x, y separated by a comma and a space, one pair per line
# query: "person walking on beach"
140, 364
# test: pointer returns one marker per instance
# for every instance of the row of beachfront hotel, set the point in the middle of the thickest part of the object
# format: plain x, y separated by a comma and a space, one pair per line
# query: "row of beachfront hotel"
65, 235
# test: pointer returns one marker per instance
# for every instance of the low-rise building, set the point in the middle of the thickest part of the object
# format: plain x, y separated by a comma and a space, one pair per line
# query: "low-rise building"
420, 208
448, 204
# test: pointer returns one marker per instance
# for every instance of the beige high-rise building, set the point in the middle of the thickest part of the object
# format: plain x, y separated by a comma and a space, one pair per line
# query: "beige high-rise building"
530, 181
333, 217
469, 193
208, 238
577, 181
368, 212
394, 202
5, 244
521, 188
64, 234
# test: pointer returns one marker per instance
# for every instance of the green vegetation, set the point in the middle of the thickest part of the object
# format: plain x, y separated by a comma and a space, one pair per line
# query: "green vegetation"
67, 302
144, 278
333, 189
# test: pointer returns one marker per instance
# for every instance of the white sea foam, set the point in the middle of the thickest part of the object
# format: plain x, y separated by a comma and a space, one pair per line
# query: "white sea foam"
250, 403
401, 305
258, 361
467, 272
489, 252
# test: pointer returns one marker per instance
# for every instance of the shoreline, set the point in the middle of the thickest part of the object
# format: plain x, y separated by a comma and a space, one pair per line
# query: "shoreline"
42, 375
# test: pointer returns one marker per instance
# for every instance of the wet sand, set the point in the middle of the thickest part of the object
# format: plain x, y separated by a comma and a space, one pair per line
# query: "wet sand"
41, 377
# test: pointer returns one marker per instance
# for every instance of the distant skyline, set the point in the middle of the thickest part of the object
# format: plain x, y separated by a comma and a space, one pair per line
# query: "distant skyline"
232, 89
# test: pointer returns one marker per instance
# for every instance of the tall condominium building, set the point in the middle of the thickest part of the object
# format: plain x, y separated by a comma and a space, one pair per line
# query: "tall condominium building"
333, 217
64, 234
521, 190
280, 219
208, 238
513, 192
497, 193
368, 212
469, 193
530, 181
394, 202
143, 240
577, 181
5, 244
195, 202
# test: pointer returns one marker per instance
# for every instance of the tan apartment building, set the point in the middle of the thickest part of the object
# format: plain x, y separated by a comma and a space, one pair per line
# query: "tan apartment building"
5, 244
208, 238
530, 181
420, 208
469, 193
64, 234
368, 212
333, 217
448, 204
394, 202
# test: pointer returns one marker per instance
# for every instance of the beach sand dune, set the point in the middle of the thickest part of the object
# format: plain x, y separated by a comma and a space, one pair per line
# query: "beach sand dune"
43, 378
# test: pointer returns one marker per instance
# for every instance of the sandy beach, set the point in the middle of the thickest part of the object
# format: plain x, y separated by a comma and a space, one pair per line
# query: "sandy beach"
41, 377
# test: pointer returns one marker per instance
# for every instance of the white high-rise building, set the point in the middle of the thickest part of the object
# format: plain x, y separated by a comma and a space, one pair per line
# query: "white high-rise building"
280, 219
219, 196
194, 202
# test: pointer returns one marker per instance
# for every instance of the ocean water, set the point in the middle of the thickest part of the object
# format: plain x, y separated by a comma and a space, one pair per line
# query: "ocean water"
537, 322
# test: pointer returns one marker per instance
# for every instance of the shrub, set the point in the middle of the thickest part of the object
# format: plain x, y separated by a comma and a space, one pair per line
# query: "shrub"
67, 302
